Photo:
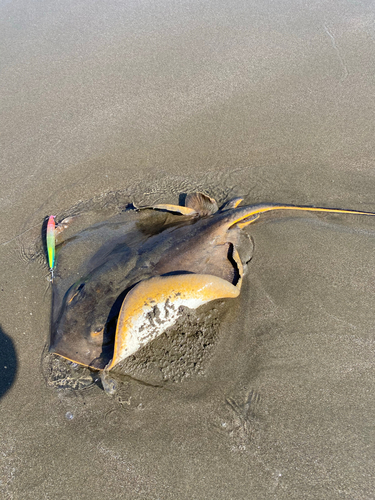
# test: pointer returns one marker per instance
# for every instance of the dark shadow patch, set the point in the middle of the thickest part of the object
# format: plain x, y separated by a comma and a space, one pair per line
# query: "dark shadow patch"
8, 362
177, 273
231, 259
181, 199
110, 332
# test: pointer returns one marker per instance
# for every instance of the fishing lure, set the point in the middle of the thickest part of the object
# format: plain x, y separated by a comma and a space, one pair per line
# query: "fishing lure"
51, 243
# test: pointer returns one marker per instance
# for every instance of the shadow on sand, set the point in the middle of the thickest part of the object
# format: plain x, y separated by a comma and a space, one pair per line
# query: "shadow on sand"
8, 363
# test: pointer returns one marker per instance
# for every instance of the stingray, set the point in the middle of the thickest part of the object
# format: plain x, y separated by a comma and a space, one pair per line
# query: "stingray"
143, 267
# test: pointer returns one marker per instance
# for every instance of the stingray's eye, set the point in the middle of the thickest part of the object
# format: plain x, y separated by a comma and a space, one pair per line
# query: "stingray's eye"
74, 293
96, 335
97, 330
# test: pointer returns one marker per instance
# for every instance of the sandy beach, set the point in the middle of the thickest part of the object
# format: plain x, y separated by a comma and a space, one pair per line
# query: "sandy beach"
109, 103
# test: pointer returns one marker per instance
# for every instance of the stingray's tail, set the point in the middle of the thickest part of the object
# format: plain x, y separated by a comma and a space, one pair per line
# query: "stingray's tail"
243, 216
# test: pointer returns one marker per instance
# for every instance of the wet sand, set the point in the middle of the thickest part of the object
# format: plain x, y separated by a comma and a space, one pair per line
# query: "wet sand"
274, 102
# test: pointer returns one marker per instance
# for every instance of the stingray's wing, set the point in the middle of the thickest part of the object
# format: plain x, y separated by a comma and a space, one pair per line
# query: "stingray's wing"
154, 305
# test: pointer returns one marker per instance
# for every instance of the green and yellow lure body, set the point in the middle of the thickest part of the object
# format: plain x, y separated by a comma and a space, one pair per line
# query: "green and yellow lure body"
51, 243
